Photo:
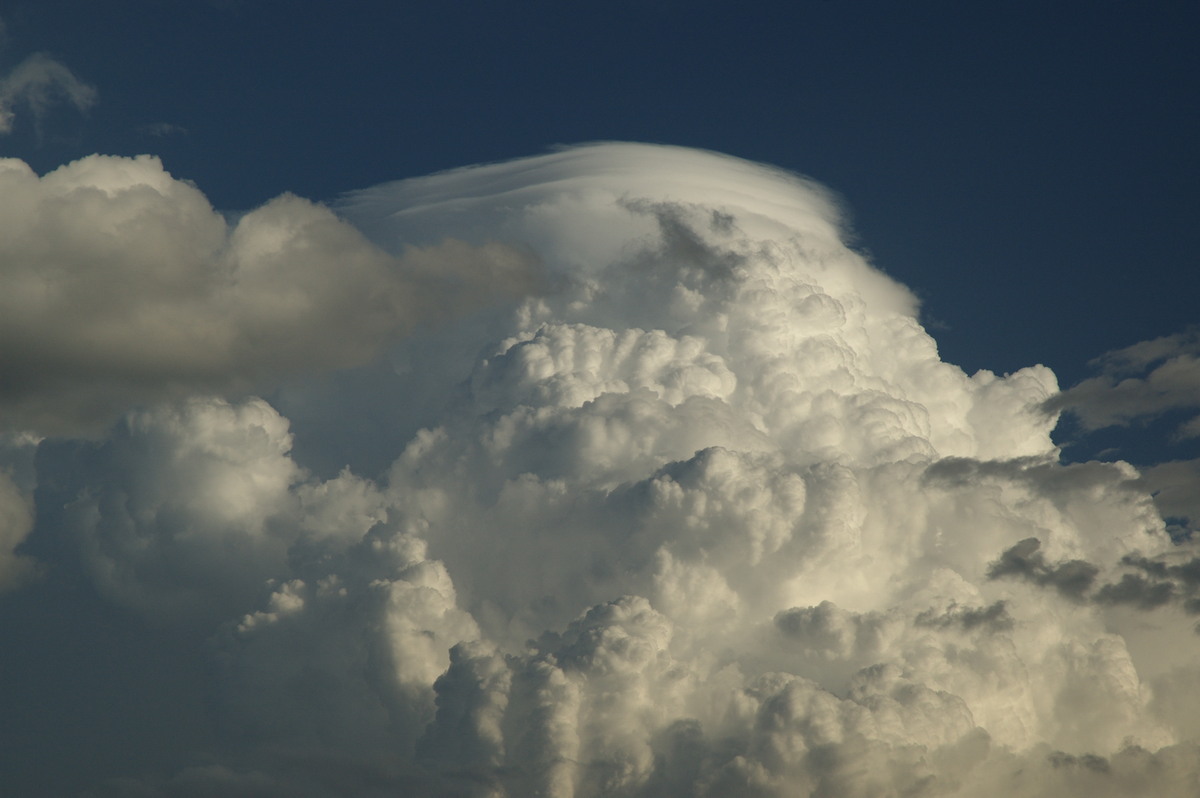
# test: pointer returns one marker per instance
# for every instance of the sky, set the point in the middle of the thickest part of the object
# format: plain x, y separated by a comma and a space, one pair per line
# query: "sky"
637, 399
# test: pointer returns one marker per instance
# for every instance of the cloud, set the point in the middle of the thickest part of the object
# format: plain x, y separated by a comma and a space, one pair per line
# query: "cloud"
1140, 381
41, 82
120, 285
1173, 485
16, 521
706, 515
1072, 578
17, 484
162, 130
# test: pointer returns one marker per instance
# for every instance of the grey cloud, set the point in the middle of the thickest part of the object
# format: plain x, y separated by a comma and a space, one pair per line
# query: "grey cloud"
1133, 770
1071, 578
1187, 573
1060, 759
40, 82
680, 241
1173, 485
161, 129
120, 285
994, 617
1137, 382
1138, 591
1169, 578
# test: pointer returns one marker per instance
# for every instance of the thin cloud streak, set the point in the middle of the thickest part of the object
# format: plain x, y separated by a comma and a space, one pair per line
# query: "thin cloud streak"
40, 82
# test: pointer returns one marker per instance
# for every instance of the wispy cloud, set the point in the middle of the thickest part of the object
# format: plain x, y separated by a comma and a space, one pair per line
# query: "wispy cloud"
39, 83
162, 130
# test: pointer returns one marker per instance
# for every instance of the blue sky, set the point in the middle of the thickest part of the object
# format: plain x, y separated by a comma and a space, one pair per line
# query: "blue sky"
287, 485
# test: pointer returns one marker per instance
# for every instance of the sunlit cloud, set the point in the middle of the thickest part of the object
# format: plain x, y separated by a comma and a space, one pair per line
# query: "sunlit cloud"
682, 500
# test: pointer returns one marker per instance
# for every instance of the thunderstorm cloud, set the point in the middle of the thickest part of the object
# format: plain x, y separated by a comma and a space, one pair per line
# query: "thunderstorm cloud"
608, 472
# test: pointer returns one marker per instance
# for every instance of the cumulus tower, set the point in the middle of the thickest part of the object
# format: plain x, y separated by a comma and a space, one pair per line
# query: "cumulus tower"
695, 510
727, 523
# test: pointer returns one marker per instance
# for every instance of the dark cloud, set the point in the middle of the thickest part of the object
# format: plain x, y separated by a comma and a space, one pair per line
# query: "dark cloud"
994, 617
1167, 579
1138, 591
1138, 382
1071, 578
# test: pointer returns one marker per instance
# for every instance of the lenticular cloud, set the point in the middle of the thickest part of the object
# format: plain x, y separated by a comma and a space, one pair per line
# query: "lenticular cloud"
706, 517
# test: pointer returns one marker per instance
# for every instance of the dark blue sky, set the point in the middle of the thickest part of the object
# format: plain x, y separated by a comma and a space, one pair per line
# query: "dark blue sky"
1027, 168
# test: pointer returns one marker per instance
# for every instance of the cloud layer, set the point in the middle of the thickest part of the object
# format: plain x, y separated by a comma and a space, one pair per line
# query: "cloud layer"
706, 517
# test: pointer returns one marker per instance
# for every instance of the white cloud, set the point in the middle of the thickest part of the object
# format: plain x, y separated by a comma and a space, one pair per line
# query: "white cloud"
40, 82
710, 517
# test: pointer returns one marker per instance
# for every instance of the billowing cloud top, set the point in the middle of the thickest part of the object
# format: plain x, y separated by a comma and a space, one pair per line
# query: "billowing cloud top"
707, 516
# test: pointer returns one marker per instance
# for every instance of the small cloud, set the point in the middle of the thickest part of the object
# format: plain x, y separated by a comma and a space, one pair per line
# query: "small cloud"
994, 617
1097, 764
1138, 591
1173, 485
1138, 382
1071, 578
160, 130
1188, 430
40, 82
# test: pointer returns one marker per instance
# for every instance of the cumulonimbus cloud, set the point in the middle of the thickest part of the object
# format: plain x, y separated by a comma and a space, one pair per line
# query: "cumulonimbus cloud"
708, 517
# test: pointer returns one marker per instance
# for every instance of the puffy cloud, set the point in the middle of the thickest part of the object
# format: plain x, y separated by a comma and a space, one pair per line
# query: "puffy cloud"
708, 517
175, 515
120, 285
40, 82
